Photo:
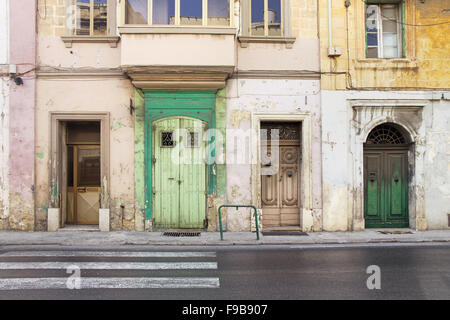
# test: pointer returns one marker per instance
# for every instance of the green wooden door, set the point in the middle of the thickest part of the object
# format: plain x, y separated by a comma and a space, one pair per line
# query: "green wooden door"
179, 173
386, 188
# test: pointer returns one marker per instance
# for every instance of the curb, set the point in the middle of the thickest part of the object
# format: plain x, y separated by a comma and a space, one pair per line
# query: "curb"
227, 243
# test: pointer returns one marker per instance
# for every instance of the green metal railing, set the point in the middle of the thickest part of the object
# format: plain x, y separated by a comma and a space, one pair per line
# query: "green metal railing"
238, 206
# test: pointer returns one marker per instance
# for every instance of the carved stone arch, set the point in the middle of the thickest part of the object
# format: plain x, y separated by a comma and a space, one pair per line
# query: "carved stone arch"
409, 133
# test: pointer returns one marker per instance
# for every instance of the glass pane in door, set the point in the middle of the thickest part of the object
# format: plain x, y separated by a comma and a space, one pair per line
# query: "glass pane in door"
89, 167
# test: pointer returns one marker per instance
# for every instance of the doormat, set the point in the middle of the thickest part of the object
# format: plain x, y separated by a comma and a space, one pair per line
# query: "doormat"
395, 232
181, 234
284, 234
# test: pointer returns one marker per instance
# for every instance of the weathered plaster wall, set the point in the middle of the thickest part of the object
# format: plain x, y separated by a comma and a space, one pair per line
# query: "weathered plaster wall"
4, 155
245, 99
139, 158
4, 32
4, 113
91, 94
100, 88
164, 49
214, 201
21, 116
437, 164
426, 62
424, 114
304, 53
54, 17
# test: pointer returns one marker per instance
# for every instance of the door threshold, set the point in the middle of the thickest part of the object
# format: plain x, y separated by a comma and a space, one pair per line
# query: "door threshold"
394, 230
78, 227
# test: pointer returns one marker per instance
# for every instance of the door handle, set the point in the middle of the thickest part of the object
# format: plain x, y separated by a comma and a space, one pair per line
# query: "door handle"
395, 179
81, 190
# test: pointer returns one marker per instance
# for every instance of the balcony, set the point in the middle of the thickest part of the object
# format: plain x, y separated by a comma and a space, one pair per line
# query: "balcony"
163, 48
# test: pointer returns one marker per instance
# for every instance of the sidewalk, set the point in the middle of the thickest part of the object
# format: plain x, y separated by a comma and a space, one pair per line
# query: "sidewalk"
86, 238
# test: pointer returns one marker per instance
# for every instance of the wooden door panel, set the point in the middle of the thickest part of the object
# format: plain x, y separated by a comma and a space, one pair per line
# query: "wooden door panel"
165, 175
179, 173
397, 186
289, 185
386, 187
192, 173
269, 195
87, 184
88, 204
280, 193
271, 217
373, 181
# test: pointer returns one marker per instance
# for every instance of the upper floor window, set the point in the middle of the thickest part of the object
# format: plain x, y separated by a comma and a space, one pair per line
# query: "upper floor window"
91, 17
384, 36
266, 18
178, 12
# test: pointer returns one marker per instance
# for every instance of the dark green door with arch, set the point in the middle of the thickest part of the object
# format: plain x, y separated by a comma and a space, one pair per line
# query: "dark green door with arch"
386, 179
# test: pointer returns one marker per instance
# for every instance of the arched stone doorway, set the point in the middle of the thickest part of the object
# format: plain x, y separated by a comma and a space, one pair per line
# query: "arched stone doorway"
386, 180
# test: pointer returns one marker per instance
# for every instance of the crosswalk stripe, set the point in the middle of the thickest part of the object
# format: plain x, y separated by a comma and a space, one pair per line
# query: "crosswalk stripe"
118, 254
108, 283
108, 265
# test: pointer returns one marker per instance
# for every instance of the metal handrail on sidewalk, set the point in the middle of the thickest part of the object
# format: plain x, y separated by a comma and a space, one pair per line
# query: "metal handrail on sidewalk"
238, 206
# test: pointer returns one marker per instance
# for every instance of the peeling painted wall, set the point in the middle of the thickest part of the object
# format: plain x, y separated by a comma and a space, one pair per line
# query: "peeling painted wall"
345, 127
90, 94
304, 52
102, 88
424, 66
17, 129
139, 158
4, 114
422, 74
247, 98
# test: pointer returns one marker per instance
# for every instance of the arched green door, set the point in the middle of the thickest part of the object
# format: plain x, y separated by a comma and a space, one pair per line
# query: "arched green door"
179, 173
386, 178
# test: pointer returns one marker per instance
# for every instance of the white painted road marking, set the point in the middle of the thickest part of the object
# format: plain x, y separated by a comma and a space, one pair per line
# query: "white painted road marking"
109, 283
118, 254
108, 265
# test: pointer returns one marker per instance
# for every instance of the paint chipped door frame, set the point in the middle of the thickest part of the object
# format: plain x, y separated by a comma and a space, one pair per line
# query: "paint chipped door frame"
56, 176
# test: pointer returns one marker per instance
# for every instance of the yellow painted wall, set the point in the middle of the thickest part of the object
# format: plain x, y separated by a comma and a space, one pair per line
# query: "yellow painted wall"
427, 61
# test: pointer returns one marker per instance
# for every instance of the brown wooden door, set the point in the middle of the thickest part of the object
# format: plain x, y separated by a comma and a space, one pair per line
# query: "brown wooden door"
281, 191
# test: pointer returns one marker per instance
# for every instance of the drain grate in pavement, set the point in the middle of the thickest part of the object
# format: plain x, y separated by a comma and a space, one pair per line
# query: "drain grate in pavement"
272, 233
181, 234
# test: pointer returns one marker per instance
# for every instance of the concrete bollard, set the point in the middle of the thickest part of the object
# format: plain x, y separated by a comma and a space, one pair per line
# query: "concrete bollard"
103, 223
53, 219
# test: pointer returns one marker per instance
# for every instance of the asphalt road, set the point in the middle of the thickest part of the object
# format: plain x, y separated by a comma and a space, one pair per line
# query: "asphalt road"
236, 273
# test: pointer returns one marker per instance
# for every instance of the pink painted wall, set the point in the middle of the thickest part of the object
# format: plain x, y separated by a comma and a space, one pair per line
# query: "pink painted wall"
22, 116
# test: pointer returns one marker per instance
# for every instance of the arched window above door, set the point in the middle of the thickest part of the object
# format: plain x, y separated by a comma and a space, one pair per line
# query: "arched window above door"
387, 133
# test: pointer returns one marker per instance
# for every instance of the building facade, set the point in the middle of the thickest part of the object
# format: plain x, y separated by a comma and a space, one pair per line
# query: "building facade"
124, 85
385, 114
148, 115
17, 103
